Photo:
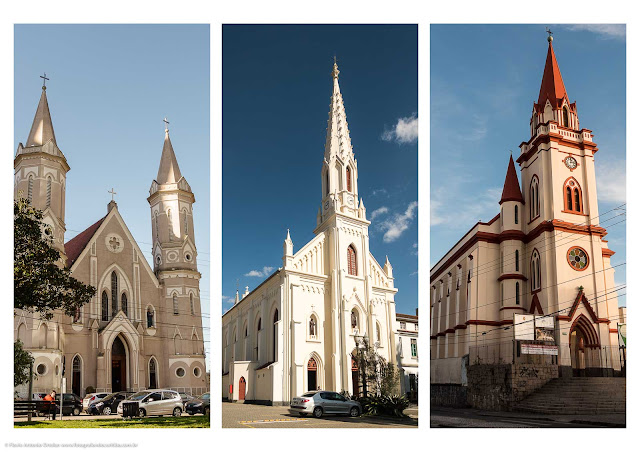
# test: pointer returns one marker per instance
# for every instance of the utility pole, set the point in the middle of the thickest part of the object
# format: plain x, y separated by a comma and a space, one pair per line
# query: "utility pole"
30, 390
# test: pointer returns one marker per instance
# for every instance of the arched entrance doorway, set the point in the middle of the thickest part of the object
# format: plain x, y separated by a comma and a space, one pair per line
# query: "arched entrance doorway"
118, 365
242, 388
153, 376
76, 372
312, 375
355, 380
582, 341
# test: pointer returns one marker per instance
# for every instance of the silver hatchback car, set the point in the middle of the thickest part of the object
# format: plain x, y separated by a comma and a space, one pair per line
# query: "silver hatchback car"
154, 402
320, 403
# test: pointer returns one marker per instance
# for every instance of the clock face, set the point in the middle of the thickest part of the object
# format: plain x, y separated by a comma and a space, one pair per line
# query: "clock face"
570, 162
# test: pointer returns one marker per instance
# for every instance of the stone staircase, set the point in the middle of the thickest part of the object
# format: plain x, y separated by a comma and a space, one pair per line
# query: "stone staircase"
577, 395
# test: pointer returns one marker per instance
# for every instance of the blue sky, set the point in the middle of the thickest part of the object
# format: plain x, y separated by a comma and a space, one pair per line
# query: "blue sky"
484, 80
110, 87
276, 92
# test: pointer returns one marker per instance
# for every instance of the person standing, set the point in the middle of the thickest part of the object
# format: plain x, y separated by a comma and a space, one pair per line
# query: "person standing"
51, 399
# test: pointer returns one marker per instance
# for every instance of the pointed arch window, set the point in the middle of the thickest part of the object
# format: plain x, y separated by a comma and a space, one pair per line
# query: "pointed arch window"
114, 294
378, 336
565, 116
104, 308
125, 304
30, 190
186, 223
348, 179
517, 292
275, 335
153, 376
76, 314
534, 201
517, 260
572, 196
170, 222
326, 182
175, 304
192, 304
515, 214
355, 321
313, 327
155, 221
351, 261
48, 191
535, 270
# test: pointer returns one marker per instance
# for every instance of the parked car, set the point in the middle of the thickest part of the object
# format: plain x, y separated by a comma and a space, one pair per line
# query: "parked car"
153, 402
71, 404
320, 403
186, 397
199, 405
94, 397
109, 404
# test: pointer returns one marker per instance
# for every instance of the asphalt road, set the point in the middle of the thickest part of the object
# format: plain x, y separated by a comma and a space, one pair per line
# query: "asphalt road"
238, 415
472, 418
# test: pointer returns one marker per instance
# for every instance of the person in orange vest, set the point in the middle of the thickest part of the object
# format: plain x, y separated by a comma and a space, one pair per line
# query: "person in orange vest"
51, 398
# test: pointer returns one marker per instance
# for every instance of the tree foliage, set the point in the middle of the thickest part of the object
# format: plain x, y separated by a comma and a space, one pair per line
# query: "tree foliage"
41, 283
22, 359
376, 375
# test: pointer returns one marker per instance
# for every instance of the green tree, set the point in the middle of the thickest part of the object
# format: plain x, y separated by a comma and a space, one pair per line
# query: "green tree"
22, 359
376, 375
41, 284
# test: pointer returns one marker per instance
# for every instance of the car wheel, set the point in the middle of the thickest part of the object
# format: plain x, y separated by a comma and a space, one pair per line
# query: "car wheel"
76, 411
317, 412
107, 410
354, 412
142, 412
177, 412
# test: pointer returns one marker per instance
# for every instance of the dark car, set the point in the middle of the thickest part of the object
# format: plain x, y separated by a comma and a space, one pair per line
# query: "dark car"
109, 404
71, 404
200, 405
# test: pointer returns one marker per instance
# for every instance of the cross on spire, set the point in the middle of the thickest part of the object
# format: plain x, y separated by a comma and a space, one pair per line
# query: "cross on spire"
166, 123
550, 33
44, 80
112, 193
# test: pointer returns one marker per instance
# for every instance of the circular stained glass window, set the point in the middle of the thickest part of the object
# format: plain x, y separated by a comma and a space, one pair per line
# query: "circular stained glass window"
578, 258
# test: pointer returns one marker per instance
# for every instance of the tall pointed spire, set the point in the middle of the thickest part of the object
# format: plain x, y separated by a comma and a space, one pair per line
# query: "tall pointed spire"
511, 190
552, 87
338, 139
169, 171
42, 127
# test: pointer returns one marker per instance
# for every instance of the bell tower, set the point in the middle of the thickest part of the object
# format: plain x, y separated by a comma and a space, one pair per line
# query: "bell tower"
40, 172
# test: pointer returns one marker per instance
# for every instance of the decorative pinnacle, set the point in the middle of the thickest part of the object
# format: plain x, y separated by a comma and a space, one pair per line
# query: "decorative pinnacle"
166, 124
335, 71
44, 81
550, 33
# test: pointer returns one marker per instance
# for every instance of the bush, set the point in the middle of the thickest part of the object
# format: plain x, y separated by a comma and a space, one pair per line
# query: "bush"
384, 405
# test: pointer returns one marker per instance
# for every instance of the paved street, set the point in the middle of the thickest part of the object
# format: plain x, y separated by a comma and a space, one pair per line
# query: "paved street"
82, 417
472, 418
238, 415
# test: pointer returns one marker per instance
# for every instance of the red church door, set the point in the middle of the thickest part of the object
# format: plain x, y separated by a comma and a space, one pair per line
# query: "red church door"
242, 387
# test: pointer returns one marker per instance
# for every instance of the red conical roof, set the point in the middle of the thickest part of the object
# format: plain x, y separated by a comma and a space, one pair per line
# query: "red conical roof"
552, 87
511, 190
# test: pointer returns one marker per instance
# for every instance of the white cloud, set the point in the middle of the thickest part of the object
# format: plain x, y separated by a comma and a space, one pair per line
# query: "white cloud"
404, 132
414, 249
226, 299
376, 213
260, 273
379, 191
395, 226
607, 31
612, 180
471, 206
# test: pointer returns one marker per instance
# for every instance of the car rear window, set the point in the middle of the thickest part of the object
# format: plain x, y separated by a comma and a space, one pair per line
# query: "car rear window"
308, 394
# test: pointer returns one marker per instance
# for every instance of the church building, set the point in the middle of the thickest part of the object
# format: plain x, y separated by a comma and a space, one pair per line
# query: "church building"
143, 327
300, 328
544, 253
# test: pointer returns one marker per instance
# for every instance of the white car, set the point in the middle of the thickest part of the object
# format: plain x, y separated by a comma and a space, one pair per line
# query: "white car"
154, 402
93, 398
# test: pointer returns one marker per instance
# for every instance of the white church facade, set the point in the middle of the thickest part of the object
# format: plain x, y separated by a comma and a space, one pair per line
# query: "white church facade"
298, 329
143, 327
544, 253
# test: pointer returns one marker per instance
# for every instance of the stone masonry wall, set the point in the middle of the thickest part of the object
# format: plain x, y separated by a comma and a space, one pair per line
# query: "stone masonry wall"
452, 395
498, 386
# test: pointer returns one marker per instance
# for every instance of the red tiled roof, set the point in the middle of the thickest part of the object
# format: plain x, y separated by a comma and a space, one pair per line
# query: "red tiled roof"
74, 247
552, 87
511, 189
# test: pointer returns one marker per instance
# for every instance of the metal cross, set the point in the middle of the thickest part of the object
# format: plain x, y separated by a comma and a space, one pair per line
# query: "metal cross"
549, 31
44, 80
166, 123
112, 193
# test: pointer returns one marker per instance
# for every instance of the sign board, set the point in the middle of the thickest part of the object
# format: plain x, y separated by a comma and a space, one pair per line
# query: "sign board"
544, 334
539, 349
545, 321
64, 385
523, 327
622, 331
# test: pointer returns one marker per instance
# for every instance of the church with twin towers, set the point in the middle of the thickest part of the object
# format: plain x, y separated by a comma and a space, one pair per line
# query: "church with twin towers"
143, 327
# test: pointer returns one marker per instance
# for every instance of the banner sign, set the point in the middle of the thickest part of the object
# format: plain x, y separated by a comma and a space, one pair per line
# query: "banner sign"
545, 322
544, 334
523, 327
622, 331
539, 349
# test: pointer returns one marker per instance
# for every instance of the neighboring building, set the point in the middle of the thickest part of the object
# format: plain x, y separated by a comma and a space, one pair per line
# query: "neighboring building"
544, 253
407, 354
297, 330
143, 328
